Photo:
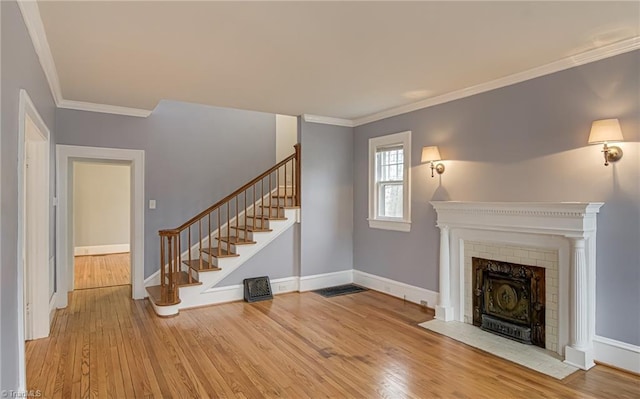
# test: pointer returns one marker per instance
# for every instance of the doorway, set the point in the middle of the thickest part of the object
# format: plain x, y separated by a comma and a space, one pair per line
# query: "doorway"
101, 223
67, 157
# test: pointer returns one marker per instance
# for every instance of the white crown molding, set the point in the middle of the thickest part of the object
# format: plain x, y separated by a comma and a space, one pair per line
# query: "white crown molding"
327, 120
33, 21
601, 53
104, 108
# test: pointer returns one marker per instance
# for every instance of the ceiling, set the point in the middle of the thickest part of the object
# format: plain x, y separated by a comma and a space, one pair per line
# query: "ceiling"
339, 59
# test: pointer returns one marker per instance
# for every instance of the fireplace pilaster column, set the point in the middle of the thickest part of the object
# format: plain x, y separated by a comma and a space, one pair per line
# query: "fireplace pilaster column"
444, 311
580, 352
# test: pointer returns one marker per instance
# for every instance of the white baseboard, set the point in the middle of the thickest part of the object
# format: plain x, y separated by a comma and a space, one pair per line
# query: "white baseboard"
615, 353
233, 293
101, 249
318, 281
395, 288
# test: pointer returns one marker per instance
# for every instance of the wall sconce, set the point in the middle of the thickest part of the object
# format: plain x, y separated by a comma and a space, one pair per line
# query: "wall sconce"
431, 154
603, 132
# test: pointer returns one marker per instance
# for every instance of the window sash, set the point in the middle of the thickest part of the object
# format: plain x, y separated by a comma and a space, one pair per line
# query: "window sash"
389, 163
392, 209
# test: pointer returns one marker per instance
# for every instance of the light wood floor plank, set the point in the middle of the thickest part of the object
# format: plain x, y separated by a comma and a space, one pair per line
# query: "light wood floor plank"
93, 271
366, 345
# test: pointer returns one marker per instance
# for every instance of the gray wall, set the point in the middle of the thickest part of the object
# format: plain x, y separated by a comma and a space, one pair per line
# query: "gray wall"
20, 70
279, 259
195, 155
326, 241
526, 142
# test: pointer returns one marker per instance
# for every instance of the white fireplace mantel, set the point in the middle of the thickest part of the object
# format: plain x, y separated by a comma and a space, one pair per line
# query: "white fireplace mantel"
568, 227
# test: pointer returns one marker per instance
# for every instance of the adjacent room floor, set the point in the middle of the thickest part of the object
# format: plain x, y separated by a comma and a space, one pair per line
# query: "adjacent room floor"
364, 345
92, 271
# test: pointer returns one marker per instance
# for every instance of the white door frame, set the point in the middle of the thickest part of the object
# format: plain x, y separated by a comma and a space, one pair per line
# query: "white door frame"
33, 230
66, 155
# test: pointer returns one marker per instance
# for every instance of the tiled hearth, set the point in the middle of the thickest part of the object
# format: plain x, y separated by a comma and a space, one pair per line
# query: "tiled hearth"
557, 236
530, 356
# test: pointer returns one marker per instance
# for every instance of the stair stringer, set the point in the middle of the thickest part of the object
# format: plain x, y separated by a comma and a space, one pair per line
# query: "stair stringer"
205, 294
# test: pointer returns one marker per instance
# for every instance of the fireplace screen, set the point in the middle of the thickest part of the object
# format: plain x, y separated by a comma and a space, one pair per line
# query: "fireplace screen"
508, 299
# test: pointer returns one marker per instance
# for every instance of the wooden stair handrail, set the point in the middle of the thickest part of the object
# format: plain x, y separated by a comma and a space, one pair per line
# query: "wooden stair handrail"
226, 199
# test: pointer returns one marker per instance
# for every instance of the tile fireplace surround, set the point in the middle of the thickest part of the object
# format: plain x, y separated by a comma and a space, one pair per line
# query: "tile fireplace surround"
568, 228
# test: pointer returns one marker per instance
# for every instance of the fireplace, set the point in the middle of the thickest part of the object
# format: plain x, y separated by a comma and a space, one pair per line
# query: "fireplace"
565, 231
509, 300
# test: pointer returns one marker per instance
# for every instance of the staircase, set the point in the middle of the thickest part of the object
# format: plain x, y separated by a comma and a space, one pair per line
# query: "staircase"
200, 253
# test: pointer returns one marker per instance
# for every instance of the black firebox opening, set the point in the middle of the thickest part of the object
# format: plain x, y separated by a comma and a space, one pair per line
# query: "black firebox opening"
508, 299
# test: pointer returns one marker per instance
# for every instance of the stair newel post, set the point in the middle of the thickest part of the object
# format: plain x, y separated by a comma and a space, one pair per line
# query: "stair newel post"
228, 224
297, 173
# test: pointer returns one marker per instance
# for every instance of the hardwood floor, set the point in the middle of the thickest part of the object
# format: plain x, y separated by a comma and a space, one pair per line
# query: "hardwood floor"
366, 345
92, 271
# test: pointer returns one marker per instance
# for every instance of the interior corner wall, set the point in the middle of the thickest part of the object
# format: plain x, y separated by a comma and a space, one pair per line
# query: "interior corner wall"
326, 230
195, 155
20, 70
525, 142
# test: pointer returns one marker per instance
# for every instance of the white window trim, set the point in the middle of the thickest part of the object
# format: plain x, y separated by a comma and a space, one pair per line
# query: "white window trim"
403, 224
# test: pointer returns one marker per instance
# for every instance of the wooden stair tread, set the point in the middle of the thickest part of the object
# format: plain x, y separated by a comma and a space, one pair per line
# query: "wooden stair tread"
267, 217
159, 295
223, 253
183, 280
204, 267
252, 229
235, 240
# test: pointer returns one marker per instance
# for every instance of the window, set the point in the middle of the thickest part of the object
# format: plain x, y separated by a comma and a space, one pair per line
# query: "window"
389, 191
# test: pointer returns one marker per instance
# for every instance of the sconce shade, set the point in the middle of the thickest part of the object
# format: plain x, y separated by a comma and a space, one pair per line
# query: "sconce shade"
605, 131
430, 154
